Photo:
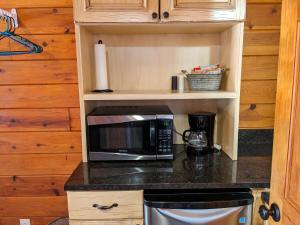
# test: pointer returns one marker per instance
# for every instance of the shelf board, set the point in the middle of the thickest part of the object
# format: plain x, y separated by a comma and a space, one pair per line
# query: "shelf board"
157, 28
159, 95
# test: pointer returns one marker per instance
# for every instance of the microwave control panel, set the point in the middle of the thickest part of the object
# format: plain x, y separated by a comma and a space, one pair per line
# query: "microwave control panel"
164, 137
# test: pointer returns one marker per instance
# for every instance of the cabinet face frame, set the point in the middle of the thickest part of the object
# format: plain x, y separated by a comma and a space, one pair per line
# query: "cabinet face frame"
203, 10
87, 11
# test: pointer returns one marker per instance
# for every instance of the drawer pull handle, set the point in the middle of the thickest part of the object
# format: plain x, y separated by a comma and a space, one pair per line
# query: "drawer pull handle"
104, 207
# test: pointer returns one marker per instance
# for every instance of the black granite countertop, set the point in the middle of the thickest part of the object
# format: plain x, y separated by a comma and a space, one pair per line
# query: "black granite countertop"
209, 171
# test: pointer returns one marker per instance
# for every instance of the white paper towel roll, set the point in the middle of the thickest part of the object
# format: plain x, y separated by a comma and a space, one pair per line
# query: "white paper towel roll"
101, 82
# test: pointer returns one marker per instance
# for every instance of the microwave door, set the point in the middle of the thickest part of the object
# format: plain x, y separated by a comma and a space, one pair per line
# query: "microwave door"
130, 140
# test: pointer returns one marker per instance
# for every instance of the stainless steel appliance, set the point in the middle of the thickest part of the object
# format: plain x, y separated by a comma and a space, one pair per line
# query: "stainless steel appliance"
201, 132
130, 133
204, 207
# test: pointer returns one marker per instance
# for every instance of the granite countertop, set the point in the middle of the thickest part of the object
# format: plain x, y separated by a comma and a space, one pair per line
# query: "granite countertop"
208, 171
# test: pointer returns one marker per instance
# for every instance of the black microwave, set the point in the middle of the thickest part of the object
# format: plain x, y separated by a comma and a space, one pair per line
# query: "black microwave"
130, 133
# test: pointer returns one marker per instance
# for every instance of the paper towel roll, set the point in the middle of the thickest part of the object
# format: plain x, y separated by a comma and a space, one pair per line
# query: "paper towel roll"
101, 82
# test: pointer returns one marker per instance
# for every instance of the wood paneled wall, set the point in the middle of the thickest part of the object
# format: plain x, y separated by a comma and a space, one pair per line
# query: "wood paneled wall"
40, 141
39, 117
261, 46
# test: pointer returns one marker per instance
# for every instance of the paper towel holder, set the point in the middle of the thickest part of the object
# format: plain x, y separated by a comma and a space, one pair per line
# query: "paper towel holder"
102, 90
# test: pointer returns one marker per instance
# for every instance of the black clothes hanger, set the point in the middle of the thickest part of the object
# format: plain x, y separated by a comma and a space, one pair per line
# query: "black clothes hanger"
9, 32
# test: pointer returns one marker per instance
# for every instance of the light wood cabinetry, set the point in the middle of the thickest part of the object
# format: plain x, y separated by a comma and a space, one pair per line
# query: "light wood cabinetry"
115, 222
154, 11
85, 205
143, 57
202, 10
116, 10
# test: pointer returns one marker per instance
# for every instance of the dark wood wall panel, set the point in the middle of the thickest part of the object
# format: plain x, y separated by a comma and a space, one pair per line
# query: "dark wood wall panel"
35, 3
259, 74
40, 142
38, 150
56, 46
55, 21
32, 186
34, 120
38, 164
33, 220
38, 72
39, 96
33, 206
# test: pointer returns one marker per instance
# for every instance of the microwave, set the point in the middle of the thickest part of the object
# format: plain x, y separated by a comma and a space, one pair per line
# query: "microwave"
130, 133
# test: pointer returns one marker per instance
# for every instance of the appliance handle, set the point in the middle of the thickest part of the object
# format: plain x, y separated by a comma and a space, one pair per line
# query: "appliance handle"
103, 120
153, 136
201, 217
184, 137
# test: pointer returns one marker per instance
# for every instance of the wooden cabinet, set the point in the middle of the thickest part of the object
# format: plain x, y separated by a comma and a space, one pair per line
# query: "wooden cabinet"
202, 10
113, 222
116, 10
105, 207
119, 205
105, 11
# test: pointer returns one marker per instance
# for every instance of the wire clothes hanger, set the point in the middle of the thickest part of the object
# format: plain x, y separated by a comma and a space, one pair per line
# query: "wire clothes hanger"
9, 32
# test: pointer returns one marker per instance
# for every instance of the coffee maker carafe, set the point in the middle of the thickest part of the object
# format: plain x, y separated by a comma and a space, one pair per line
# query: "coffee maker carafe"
201, 133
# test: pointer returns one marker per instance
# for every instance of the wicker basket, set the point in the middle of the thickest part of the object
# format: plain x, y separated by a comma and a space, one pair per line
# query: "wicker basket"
204, 82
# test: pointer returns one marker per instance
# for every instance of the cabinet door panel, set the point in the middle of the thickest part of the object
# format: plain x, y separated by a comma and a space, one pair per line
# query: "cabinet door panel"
116, 4
203, 10
115, 10
205, 4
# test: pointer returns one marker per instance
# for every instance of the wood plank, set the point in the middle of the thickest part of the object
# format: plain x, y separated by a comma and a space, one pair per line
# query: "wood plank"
34, 186
56, 46
261, 42
38, 164
34, 120
35, 3
260, 67
258, 91
75, 119
55, 21
258, 116
33, 206
44, 72
39, 96
39, 142
33, 220
263, 16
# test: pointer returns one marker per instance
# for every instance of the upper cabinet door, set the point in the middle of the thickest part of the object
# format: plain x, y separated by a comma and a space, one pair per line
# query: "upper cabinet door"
107, 11
202, 10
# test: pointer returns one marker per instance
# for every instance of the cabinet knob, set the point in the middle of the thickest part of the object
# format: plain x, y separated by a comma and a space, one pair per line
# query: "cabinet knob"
265, 213
166, 14
154, 15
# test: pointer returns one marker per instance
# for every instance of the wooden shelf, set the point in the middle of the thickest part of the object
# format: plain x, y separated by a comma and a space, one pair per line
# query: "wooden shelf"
159, 95
157, 28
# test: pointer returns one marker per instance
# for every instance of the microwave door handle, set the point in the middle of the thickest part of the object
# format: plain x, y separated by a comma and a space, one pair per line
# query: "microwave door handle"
153, 135
104, 120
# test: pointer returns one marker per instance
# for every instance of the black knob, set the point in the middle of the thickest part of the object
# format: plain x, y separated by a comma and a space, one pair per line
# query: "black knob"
166, 14
154, 15
263, 212
274, 212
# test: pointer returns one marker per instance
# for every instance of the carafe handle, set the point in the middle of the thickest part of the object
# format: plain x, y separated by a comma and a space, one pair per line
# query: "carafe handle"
184, 137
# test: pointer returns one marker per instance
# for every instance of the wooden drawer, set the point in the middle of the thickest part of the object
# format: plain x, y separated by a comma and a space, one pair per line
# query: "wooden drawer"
112, 222
130, 205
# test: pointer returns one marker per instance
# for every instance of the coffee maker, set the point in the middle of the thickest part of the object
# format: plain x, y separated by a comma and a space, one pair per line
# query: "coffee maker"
201, 133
